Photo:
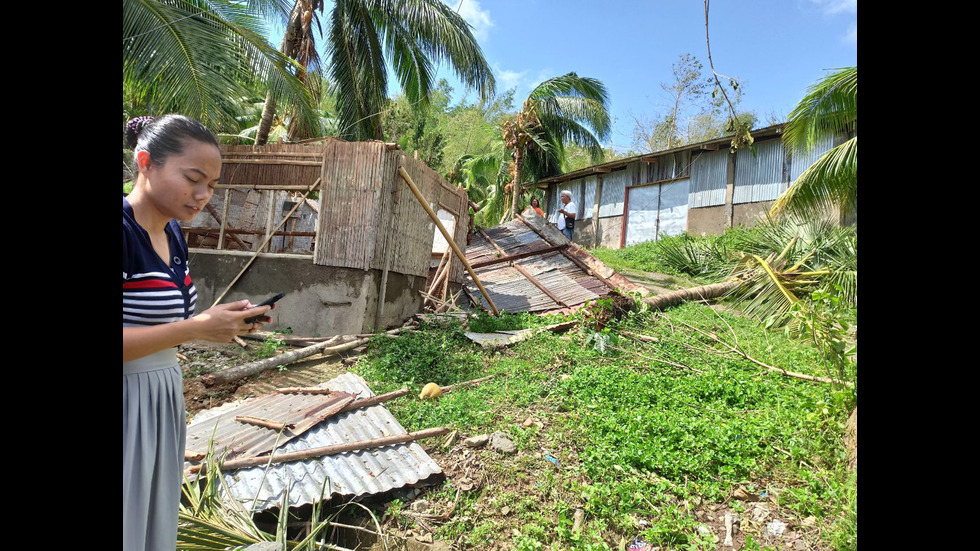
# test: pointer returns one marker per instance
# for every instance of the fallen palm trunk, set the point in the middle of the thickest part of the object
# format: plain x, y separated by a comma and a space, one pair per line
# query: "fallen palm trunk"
704, 292
324, 451
253, 368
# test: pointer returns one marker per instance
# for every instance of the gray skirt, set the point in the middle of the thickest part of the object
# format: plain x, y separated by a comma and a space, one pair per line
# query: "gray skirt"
154, 434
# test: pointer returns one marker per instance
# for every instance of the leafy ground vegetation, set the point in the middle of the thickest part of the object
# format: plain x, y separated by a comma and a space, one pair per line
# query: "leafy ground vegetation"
642, 424
649, 439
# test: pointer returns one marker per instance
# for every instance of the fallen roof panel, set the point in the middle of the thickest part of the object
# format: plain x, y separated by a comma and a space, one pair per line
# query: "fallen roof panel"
355, 473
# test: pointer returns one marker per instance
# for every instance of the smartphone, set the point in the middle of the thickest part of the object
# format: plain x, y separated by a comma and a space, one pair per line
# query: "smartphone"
267, 302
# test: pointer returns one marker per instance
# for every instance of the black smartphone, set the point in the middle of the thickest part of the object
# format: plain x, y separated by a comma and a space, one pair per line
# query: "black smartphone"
267, 302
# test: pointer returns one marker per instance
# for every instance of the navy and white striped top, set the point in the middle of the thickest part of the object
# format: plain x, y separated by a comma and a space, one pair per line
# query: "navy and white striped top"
153, 292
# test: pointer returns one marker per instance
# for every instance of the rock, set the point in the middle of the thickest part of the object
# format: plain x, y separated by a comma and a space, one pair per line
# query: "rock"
502, 443
505, 510
424, 538
810, 521
799, 545
704, 530
264, 546
476, 441
775, 528
759, 513
578, 518
743, 495
528, 422
420, 506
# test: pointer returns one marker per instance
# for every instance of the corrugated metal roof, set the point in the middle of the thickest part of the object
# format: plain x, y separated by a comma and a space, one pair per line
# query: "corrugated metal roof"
355, 473
241, 439
510, 289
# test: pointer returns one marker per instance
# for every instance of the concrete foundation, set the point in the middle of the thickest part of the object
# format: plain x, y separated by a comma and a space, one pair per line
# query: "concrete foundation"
320, 301
706, 220
748, 214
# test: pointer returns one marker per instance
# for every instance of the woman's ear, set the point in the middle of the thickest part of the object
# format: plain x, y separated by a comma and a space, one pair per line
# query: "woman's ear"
143, 161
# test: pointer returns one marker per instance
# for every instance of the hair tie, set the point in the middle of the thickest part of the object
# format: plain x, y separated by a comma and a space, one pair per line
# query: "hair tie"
136, 125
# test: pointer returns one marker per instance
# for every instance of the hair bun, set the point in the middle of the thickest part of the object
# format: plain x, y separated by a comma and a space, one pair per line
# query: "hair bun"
134, 127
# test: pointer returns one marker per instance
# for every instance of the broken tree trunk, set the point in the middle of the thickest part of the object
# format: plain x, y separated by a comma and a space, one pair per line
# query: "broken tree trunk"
314, 453
704, 292
253, 368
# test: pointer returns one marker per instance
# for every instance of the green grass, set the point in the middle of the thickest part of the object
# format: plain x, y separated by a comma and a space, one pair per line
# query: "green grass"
635, 438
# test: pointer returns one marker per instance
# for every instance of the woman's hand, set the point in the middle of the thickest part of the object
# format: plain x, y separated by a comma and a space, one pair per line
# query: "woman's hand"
224, 322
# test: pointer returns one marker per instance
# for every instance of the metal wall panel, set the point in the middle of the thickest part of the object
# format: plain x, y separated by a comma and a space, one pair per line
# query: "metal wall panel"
708, 179
802, 161
641, 221
614, 191
759, 177
673, 207
585, 209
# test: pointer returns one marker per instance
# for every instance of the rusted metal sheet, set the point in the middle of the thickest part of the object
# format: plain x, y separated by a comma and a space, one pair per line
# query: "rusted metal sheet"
514, 291
357, 473
241, 439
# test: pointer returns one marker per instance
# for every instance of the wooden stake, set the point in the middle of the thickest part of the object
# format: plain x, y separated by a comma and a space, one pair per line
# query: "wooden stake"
314, 453
449, 239
267, 423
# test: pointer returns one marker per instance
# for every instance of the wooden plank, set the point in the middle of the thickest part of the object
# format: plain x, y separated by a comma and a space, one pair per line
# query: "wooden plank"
517, 256
571, 257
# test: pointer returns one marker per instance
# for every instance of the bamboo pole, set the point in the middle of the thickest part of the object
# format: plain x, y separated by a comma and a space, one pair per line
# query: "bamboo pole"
267, 239
214, 214
314, 453
225, 207
449, 238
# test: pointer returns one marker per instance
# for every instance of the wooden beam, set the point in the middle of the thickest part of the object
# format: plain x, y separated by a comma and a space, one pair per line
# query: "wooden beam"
534, 281
517, 256
582, 265
270, 162
262, 187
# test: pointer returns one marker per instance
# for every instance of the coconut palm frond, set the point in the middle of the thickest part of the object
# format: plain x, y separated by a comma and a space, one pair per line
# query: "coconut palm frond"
192, 56
829, 108
829, 183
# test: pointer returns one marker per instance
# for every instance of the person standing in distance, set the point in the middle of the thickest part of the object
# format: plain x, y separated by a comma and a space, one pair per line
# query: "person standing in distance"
177, 164
566, 214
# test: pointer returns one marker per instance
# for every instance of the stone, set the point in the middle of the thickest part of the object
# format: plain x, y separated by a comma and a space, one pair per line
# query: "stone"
799, 545
505, 510
810, 521
476, 441
775, 528
759, 513
424, 538
264, 546
502, 443
420, 506
528, 422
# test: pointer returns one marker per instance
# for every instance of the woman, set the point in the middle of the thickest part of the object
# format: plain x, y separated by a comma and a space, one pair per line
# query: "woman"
536, 205
177, 163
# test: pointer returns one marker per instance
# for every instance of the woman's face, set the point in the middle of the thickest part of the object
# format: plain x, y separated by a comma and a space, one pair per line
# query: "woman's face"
182, 186
535, 203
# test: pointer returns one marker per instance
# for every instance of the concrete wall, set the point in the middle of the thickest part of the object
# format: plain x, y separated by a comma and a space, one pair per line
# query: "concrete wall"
707, 220
320, 300
610, 232
747, 214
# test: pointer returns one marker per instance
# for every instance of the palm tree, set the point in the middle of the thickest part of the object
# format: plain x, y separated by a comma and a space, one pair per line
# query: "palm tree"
567, 109
364, 36
828, 109
198, 56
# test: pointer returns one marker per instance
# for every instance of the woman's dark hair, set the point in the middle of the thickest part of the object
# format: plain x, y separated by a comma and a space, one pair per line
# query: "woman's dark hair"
165, 136
533, 199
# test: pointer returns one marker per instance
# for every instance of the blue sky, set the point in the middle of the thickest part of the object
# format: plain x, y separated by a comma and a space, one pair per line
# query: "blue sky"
775, 48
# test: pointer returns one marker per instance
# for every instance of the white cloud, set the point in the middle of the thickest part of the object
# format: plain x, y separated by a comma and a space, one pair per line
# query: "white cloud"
471, 12
837, 6
852, 35
509, 79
